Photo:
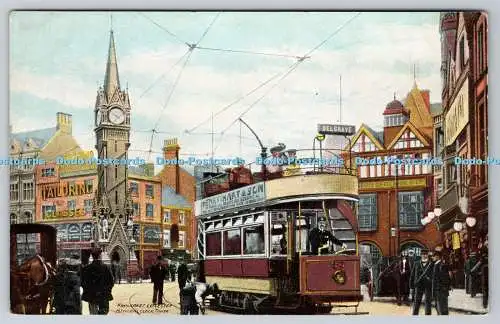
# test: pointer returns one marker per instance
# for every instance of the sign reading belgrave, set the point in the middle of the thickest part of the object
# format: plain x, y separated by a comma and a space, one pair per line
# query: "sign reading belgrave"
346, 130
236, 198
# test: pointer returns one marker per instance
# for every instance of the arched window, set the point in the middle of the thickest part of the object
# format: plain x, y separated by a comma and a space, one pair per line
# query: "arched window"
411, 248
13, 218
27, 217
370, 254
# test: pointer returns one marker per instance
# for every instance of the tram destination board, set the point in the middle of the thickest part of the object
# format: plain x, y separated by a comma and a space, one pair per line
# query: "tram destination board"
236, 198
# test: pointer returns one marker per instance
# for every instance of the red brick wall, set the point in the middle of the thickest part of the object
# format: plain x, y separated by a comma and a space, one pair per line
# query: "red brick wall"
187, 185
386, 218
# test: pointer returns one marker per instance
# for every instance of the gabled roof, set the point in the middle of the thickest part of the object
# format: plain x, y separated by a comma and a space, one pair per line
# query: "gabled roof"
170, 198
40, 136
373, 135
415, 131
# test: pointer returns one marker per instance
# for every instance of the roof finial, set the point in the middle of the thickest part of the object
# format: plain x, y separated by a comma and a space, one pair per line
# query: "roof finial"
414, 75
111, 22
394, 95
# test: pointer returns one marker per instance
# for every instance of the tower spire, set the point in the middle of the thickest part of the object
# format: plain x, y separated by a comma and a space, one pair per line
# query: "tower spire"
111, 79
414, 75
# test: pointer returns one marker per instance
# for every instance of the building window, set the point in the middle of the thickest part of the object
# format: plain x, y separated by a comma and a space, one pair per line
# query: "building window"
116, 197
116, 146
14, 192
88, 205
232, 242
253, 240
28, 191
166, 238
134, 188
149, 210
411, 208
116, 171
167, 216
182, 217
13, 218
89, 184
213, 246
182, 239
137, 209
149, 191
48, 211
71, 204
48, 172
370, 255
367, 213
462, 53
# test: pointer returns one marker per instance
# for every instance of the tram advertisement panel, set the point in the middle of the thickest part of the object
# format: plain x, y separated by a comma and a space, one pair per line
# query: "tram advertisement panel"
236, 198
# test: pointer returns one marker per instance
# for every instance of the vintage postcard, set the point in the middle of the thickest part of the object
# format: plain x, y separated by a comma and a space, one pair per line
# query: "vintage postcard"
200, 163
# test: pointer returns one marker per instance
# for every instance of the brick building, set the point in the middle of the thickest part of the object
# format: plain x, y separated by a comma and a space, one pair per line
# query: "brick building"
407, 133
464, 74
179, 192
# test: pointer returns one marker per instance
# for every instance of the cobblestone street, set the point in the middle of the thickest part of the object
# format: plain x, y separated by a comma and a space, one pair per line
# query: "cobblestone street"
140, 297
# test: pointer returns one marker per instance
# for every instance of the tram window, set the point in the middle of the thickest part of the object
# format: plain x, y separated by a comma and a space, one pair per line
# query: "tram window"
278, 239
248, 219
259, 218
232, 242
213, 244
253, 240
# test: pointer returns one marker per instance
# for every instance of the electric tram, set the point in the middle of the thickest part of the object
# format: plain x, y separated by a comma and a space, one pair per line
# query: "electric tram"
254, 244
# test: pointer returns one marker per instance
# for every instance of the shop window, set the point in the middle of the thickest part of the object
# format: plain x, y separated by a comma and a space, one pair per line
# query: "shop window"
232, 242
253, 240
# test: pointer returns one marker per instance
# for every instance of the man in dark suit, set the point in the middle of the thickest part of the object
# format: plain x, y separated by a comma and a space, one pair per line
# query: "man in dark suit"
158, 272
97, 283
421, 283
320, 237
440, 284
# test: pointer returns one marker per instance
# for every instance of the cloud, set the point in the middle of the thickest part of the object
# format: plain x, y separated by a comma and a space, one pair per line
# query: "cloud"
374, 65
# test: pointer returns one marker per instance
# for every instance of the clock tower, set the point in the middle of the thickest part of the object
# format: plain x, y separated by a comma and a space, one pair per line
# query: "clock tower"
113, 222
112, 129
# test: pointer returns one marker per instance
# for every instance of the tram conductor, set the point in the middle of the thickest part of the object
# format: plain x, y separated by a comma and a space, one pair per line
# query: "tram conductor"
320, 237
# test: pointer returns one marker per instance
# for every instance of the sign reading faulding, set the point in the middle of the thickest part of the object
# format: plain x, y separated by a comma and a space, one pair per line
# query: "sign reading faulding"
458, 116
236, 198
65, 189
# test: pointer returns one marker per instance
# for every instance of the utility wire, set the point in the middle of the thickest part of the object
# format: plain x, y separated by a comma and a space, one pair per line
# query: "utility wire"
246, 52
163, 75
163, 28
191, 48
292, 68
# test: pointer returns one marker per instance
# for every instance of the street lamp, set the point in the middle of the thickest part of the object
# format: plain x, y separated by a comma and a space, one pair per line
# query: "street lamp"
320, 138
470, 221
458, 226
438, 211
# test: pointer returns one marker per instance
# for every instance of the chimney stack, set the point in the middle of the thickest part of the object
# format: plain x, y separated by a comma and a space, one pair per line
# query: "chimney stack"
171, 151
64, 122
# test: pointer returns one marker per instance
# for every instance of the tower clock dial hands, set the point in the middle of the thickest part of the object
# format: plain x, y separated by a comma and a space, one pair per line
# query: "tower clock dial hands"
116, 116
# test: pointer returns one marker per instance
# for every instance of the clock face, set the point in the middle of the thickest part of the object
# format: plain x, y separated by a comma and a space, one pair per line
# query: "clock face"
116, 116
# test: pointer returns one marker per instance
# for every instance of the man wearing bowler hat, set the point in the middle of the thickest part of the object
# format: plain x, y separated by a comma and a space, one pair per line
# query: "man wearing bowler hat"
440, 284
421, 283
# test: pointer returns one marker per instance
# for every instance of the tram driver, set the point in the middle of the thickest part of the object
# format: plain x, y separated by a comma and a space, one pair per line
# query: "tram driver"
320, 237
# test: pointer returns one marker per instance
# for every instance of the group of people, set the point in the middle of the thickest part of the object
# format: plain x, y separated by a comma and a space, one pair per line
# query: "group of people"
430, 278
191, 293
95, 279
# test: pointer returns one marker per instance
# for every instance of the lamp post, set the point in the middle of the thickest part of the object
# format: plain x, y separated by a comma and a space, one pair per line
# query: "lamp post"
320, 138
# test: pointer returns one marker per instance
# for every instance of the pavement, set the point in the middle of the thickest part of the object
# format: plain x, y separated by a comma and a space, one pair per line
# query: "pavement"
135, 299
458, 301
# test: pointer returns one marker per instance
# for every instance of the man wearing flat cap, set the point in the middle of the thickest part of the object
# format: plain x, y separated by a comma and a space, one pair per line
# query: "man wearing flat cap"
320, 237
440, 284
421, 283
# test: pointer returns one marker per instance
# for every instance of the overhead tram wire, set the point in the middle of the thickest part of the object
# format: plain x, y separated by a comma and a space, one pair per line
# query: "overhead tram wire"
292, 68
264, 83
164, 74
163, 28
191, 49
246, 52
